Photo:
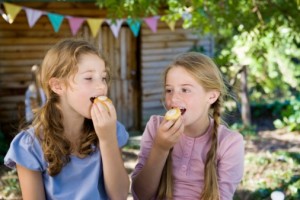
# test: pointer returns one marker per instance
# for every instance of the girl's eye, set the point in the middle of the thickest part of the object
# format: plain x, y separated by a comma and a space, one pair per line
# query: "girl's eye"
104, 79
88, 79
168, 91
184, 90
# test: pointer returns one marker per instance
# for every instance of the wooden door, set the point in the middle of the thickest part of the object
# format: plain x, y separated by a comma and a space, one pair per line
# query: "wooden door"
123, 57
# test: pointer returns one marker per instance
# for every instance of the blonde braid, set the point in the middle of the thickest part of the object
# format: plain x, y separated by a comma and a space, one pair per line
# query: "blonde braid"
211, 188
165, 188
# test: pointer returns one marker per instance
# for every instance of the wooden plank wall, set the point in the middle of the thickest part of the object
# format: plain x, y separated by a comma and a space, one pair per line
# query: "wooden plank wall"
21, 47
137, 62
157, 51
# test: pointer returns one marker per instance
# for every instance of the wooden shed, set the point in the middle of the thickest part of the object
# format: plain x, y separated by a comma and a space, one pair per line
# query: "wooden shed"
137, 62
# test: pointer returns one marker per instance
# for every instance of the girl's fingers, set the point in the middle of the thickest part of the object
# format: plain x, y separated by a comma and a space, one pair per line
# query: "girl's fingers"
167, 124
176, 126
112, 110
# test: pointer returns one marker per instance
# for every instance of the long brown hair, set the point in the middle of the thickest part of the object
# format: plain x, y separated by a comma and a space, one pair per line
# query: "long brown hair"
203, 69
61, 62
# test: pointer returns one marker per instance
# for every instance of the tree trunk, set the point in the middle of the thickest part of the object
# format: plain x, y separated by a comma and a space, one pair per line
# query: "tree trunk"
246, 113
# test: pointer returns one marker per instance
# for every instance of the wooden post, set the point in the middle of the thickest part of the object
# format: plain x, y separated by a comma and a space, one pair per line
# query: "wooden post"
246, 113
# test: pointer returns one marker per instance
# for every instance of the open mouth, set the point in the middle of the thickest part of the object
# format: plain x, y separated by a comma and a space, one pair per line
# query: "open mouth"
182, 110
92, 99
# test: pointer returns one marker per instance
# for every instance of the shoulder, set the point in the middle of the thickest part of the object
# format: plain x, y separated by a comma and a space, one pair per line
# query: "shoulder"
154, 121
152, 125
225, 133
25, 138
25, 149
150, 130
230, 139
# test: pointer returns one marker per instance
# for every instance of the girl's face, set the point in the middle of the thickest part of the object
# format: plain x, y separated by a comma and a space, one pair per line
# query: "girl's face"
184, 92
89, 81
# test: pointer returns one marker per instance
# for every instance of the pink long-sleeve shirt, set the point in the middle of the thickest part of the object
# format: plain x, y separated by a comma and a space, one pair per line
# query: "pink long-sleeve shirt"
189, 155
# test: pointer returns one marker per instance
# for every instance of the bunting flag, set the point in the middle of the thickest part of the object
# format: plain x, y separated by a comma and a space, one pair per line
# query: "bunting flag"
11, 11
32, 16
4, 16
134, 25
55, 20
75, 24
171, 25
94, 25
115, 26
152, 23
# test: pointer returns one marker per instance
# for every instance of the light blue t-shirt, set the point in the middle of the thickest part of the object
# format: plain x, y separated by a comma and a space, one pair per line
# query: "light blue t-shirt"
80, 179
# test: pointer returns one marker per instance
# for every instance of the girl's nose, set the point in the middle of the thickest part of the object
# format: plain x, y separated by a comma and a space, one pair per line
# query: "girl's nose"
100, 84
175, 97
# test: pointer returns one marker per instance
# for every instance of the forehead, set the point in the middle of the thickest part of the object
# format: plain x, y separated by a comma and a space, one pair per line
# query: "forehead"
180, 76
90, 62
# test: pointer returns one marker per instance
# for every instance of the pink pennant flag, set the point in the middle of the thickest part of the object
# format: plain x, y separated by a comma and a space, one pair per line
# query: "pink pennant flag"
32, 16
152, 23
75, 24
115, 26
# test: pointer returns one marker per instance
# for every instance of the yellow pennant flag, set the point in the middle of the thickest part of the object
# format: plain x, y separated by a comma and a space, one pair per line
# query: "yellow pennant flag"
171, 25
11, 11
94, 25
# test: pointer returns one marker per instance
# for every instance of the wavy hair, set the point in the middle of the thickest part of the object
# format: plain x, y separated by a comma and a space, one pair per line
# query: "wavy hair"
203, 69
61, 62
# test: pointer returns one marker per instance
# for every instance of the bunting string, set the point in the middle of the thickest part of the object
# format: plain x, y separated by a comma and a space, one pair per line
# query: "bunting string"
75, 23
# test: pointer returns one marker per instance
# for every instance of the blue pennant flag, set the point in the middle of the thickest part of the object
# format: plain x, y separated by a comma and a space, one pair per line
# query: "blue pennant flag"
55, 20
134, 25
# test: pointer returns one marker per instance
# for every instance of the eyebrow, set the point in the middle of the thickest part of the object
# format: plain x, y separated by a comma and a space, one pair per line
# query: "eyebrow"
87, 71
182, 85
92, 71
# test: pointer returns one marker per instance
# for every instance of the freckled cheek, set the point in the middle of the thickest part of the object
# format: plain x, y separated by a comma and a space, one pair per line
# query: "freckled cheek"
168, 102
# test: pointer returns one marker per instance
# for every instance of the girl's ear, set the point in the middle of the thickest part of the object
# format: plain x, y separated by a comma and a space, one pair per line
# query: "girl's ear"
213, 96
56, 85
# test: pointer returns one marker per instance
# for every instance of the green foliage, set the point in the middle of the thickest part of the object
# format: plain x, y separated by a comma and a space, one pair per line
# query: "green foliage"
249, 132
290, 116
272, 109
268, 175
130, 8
264, 35
270, 56
10, 184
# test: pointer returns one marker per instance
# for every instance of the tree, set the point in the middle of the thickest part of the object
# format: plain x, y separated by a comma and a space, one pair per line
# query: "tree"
262, 34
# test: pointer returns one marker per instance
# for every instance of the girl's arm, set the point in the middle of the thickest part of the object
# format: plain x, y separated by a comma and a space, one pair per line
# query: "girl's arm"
231, 165
115, 175
116, 179
145, 183
31, 183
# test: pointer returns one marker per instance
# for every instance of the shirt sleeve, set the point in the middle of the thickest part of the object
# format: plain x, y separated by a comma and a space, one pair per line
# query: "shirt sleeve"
230, 164
122, 134
146, 145
25, 150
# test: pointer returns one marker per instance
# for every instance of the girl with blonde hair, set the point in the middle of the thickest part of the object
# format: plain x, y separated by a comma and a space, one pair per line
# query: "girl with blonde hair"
72, 148
195, 156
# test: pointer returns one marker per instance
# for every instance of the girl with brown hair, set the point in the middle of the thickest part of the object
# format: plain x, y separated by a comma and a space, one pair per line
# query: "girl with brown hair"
195, 156
72, 148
